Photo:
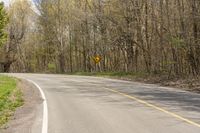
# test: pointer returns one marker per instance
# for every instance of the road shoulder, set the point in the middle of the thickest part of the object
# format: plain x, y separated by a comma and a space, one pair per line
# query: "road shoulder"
182, 83
27, 119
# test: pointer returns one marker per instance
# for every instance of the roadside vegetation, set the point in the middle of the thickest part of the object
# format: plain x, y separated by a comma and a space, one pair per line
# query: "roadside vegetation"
10, 98
150, 39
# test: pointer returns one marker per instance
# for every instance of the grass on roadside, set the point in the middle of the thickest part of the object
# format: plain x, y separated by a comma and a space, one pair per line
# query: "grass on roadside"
10, 98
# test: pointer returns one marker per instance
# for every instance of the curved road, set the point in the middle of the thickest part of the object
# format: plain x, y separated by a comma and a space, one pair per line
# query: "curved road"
80, 104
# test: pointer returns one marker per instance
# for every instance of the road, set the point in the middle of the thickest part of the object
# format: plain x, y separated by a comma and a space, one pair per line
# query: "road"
81, 104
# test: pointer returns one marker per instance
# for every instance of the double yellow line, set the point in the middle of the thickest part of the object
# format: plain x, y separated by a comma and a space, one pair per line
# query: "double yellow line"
155, 107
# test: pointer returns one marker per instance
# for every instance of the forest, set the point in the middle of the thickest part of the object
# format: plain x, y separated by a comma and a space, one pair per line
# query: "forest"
64, 36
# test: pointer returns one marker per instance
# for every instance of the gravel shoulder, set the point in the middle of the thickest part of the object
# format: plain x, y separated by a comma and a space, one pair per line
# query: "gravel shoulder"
28, 118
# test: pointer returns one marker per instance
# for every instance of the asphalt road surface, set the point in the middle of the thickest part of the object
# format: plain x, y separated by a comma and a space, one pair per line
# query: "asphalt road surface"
80, 104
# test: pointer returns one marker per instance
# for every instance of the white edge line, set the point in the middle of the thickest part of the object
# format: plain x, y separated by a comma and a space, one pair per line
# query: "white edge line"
45, 109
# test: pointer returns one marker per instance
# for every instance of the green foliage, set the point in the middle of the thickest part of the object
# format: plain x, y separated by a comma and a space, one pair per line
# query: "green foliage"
51, 67
178, 42
10, 98
3, 23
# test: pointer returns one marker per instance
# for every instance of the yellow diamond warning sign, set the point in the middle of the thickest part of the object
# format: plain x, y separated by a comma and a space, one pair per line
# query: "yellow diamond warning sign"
97, 59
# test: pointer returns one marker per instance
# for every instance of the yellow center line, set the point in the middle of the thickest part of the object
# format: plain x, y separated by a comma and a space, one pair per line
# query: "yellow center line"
155, 107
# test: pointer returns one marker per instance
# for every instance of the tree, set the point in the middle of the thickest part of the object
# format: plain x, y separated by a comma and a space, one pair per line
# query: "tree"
3, 24
18, 13
151, 36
